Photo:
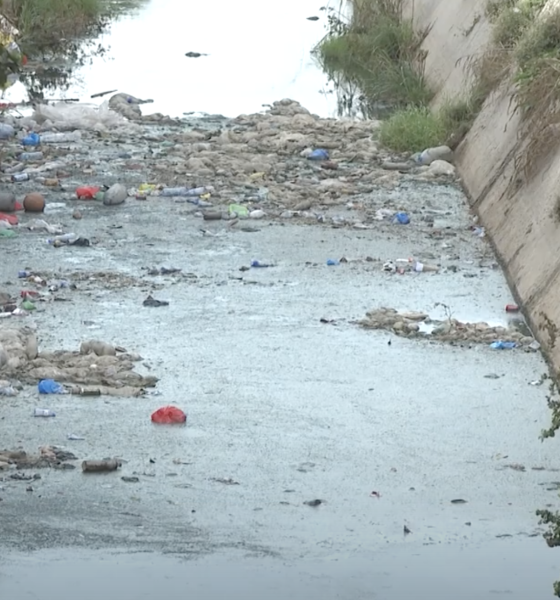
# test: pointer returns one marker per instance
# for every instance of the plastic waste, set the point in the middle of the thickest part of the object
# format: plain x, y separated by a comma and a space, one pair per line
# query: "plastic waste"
185, 191
31, 156
57, 138
499, 345
428, 156
24, 274
8, 391
87, 192
256, 264
98, 466
28, 305
74, 437
69, 117
50, 386
318, 154
6, 131
169, 415
43, 412
7, 233
479, 232
332, 263
19, 177
402, 218
238, 210
512, 308
257, 214
65, 238
32, 139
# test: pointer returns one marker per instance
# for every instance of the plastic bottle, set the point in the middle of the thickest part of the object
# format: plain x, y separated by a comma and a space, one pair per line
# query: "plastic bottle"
24, 274
402, 218
65, 237
43, 412
8, 391
31, 156
57, 138
257, 264
318, 154
6, 131
97, 466
185, 191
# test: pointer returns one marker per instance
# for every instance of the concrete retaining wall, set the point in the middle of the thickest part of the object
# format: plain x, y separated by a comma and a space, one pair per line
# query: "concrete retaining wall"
519, 215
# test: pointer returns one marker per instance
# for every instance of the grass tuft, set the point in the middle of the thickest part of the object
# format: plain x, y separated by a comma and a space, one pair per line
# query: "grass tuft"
412, 130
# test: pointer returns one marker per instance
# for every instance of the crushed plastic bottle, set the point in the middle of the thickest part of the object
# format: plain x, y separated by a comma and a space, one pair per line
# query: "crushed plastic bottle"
318, 154
332, 263
500, 345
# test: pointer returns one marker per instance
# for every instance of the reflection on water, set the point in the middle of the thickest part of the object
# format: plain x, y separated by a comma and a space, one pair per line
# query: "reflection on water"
517, 570
257, 53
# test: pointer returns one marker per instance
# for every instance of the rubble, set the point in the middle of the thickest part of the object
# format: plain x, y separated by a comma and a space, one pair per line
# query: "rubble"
420, 325
112, 374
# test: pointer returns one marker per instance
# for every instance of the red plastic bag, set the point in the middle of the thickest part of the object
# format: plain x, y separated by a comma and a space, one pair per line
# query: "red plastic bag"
11, 219
168, 415
87, 192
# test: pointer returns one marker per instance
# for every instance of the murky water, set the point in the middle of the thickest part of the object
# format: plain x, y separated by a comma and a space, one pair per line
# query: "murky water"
256, 53
502, 570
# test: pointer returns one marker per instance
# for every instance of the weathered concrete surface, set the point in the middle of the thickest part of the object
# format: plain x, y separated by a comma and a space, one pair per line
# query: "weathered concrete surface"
518, 211
290, 408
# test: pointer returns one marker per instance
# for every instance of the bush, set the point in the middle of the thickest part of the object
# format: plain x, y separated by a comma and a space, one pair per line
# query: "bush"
413, 129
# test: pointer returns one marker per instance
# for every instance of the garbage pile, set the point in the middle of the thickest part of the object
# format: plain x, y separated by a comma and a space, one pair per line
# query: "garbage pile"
420, 325
47, 457
110, 369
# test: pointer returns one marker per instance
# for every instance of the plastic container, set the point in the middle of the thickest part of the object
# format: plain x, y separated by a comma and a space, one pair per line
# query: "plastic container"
43, 412
31, 156
99, 466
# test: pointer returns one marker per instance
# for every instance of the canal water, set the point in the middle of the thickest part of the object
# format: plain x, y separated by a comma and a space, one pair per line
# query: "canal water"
253, 53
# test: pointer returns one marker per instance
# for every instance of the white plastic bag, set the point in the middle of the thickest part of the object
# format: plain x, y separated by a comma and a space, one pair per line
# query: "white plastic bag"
68, 117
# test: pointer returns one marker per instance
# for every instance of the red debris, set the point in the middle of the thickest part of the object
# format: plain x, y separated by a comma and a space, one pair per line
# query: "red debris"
168, 415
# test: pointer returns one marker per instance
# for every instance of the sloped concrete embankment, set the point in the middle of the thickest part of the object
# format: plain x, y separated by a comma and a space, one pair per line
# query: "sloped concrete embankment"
519, 212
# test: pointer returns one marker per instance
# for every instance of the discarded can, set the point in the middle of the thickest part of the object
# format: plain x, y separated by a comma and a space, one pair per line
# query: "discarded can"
43, 412
512, 308
98, 466
18, 177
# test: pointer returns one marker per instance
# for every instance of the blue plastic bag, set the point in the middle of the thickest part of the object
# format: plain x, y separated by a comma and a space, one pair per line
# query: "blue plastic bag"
319, 154
402, 218
50, 386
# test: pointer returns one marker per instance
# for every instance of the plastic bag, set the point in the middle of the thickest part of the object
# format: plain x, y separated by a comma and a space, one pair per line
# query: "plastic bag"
69, 117
169, 415
50, 386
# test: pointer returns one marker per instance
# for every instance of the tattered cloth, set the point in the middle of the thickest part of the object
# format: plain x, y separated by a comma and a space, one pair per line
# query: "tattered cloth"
111, 372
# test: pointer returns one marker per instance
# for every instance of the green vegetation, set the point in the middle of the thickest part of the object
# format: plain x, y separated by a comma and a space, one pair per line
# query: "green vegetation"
378, 51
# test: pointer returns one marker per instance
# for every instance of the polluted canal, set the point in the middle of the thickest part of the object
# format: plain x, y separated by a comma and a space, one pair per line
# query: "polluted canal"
362, 413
